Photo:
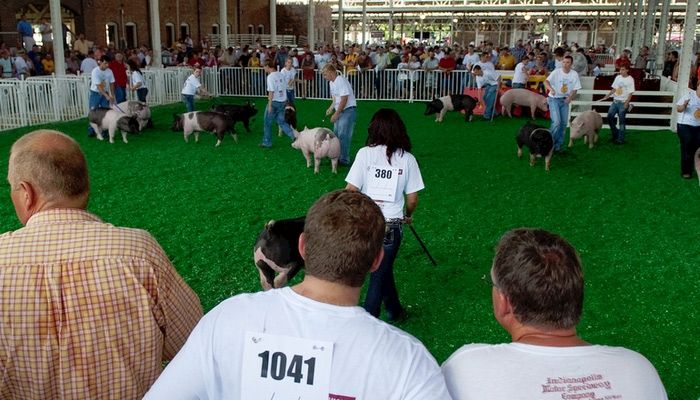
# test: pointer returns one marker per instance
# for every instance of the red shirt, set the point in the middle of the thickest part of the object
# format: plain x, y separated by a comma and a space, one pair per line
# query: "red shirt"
448, 63
622, 61
119, 71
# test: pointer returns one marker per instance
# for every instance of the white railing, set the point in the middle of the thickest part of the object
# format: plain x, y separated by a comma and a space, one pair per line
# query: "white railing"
52, 99
252, 39
653, 109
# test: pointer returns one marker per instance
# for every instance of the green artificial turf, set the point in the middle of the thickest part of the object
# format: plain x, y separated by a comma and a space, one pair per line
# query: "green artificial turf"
625, 209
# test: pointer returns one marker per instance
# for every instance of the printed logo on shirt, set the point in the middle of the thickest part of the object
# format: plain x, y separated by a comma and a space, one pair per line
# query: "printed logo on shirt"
593, 386
696, 114
564, 88
618, 91
332, 396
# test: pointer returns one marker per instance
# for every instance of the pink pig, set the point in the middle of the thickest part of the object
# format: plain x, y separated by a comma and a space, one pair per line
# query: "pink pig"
586, 124
523, 97
322, 142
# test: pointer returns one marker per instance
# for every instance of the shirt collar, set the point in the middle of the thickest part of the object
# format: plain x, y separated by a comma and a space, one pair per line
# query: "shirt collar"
59, 215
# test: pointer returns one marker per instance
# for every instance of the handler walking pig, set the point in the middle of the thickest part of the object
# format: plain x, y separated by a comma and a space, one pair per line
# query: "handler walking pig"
688, 107
562, 85
345, 107
276, 100
191, 88
386, 171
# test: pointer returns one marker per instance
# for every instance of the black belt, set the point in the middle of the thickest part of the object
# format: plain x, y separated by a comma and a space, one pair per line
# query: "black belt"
348, 108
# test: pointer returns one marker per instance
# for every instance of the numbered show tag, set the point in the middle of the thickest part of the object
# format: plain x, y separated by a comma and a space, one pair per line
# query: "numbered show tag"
285, 368
382, 182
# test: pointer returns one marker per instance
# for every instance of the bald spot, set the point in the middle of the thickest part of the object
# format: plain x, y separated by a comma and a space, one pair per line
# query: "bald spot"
52, 162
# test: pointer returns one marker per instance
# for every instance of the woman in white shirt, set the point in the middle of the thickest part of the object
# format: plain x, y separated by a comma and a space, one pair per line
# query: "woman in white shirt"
688, 128
137, 83
386, 171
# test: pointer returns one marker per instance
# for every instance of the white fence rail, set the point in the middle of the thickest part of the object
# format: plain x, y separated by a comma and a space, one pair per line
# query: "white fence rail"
49, 99
650, 110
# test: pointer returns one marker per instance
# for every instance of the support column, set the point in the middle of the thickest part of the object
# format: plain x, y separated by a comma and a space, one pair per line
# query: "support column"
638, 29
157, 60
341, 23
552, 33
663, 27
364, 23
621, 28
650, 23
596, 26
223, 11
273, 22
391, 22
59, 55
311, 26
686, 54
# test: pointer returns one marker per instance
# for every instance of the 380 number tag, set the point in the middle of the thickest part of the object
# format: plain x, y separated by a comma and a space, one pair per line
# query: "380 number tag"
285, 367
382, 182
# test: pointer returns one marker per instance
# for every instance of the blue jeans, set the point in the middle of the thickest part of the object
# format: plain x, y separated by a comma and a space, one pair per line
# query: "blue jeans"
290, 96
277, 114
490, 92
141, 94
617, 108
188, 99
559, 112
689, 137
343, 129
119, 94
382, 287
518, 85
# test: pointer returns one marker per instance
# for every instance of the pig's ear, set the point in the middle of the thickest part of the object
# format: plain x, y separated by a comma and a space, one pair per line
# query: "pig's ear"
269, 225
305, 127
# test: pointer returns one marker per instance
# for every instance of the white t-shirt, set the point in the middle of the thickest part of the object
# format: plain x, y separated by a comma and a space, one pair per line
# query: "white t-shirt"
372, 169
99, 76
277, 84
520, 75
371, 359
88, 65
341, 87
489, 78
485, 66
522, 371
136, 77
563, 83
691, 115
191, 85
624, 87
470, 59
289, 76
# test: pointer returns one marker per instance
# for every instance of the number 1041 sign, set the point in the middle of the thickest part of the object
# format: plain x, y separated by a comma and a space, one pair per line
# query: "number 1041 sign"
279, 367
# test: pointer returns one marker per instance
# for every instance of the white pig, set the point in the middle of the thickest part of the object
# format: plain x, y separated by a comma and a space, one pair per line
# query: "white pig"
525, 98
586, 124
322, 142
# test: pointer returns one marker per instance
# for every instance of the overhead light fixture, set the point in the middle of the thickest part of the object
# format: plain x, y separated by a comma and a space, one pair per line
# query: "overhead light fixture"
527, 17
422, 16
539, 20
454, 20
610, 23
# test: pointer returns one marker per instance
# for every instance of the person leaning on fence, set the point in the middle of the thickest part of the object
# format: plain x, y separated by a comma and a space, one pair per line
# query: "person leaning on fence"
387, 162
137, 82
277, 85
312, 336
537, 294
621, 93
192, 87
561, 86
343, 110
688, 128
88, 310
490, 82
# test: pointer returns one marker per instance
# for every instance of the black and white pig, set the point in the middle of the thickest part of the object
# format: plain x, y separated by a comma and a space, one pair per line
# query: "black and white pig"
290, 117
237, 113
453, 102
538, 140
107, 119
277, 251
136, 109
198, 121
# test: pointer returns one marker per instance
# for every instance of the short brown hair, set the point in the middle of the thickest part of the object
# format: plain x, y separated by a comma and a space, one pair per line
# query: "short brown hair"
51, 161
344, 232
540, 273
269, 63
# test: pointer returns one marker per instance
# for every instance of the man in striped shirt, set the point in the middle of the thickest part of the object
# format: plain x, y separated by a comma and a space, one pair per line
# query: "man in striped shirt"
87, 310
